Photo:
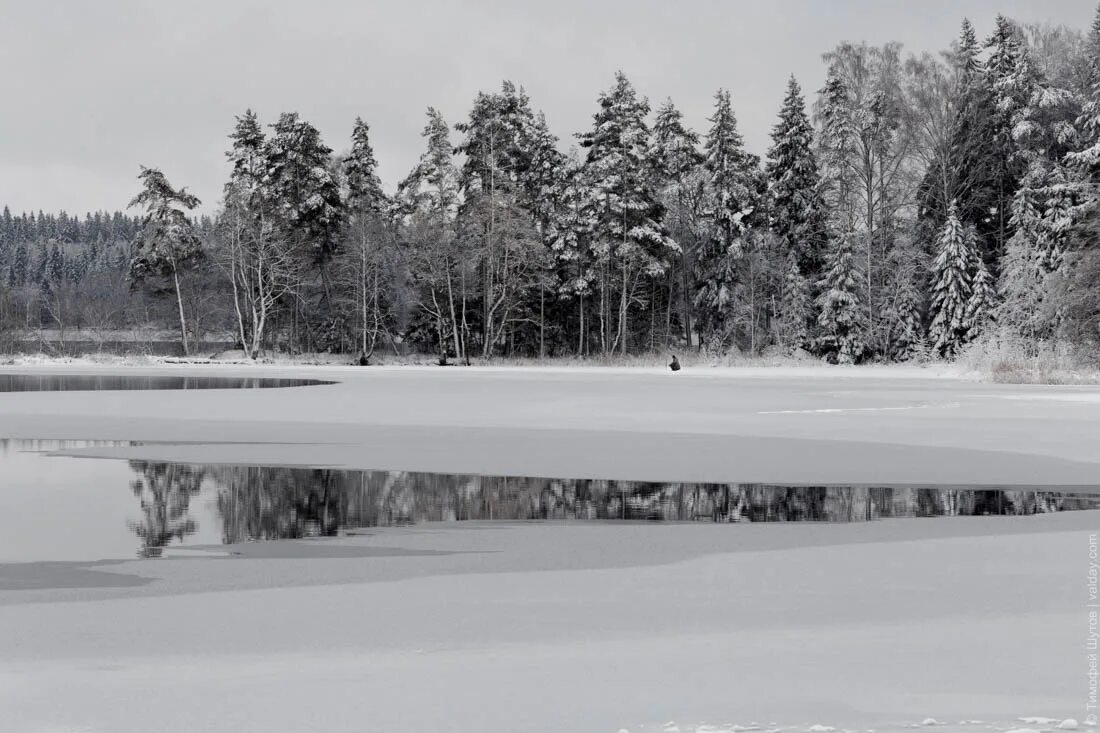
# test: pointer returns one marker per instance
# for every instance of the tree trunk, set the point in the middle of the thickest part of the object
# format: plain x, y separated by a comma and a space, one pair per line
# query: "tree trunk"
183, 318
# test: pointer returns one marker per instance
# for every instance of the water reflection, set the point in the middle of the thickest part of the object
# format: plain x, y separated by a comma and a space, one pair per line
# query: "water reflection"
164, 491
71, 508
98, 382
262, 503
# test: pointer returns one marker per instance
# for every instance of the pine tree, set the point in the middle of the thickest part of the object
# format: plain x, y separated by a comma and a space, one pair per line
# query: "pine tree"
952, 285
839, 306
364, 266
166, 245
500, 235
428, 199
623, 212
797, 216
734, 207
247, 154
431, 188
299, 183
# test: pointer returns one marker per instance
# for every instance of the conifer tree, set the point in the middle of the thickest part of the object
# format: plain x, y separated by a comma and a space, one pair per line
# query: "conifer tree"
428, 198
734, 207
624, 215
300, 185
835, 152
951, 285
166, 245
364, 196
677, 165
247, 154
982, 304
675, 148
500, 235
908, 339
797, 216
55, 266
839, 306
794, 309
363, 266
1084, 163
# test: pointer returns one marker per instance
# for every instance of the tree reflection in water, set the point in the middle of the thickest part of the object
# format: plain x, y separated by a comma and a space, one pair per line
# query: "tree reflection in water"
264, 503
165, 491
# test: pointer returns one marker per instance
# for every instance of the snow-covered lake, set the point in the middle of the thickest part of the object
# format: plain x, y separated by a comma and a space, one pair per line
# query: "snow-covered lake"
435, 609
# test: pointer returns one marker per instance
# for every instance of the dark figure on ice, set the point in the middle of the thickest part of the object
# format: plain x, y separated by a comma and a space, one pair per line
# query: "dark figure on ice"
675, 364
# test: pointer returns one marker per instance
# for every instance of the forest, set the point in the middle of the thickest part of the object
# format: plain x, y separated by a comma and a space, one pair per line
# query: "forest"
915, 206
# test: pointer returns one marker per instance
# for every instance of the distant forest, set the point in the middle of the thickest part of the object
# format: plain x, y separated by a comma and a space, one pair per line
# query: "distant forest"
916, 205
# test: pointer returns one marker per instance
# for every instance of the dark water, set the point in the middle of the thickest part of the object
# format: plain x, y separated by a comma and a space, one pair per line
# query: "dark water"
65, 508
94, 383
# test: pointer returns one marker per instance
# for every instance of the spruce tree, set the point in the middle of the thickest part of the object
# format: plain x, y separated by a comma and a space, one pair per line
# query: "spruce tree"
982, 304
797, 215
951, 285
734, 207
675, 148
908, 337
1084, 163
55, 265
360, 169
835, 152
794, 309
839, 306
677, 165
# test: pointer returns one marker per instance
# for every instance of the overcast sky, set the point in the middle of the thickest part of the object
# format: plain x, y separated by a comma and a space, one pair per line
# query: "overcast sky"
91, 90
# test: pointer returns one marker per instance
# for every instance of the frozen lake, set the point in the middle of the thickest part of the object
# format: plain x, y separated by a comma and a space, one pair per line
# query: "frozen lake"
63, 508
395, 568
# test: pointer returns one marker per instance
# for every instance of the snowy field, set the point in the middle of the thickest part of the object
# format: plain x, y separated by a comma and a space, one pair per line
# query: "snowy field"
577, 627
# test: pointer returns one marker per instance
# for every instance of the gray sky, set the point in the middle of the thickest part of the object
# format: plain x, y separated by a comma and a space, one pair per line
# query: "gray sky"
92, 89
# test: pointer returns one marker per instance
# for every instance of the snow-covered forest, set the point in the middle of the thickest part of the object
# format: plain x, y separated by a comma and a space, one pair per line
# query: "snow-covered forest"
913, 205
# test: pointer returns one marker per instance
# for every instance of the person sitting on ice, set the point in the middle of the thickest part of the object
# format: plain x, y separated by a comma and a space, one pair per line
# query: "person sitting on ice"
675, 365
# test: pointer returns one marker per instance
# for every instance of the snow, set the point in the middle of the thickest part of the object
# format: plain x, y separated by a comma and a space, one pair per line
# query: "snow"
545, 627
1068, 724
700, 424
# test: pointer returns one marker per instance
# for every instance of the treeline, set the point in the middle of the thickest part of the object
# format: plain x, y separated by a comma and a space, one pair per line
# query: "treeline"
919, 203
